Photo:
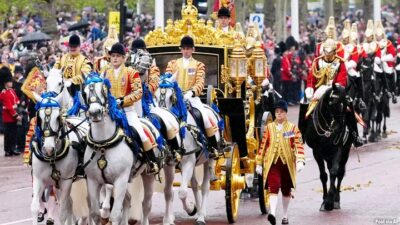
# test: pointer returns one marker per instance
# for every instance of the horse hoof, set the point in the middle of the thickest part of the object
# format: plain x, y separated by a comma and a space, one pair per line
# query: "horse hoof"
40, 217
322, 209
50, 221
336, 205
104, 221
199, 223
329, 206
193, 212
132, 222
371, 139
384, 135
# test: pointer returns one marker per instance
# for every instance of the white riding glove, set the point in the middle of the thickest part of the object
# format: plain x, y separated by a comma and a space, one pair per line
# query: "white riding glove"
67, 83
259, 170
188, 95
377, 60
388, 58
265, 82
300, 166
321, 91
309, 93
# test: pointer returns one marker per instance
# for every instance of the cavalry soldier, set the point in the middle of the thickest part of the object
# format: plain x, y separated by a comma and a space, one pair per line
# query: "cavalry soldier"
127, 88
224, 19
103, 62
150, 76
190, 75
280, 155
327, 70
329, 33
351, 58
74, 64
398, 69
385, 59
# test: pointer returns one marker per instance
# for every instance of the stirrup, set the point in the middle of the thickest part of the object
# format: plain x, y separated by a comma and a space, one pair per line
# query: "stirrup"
153, 168
214, 154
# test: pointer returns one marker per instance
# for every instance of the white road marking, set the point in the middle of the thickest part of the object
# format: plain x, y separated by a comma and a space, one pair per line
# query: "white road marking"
17, 221
19, 189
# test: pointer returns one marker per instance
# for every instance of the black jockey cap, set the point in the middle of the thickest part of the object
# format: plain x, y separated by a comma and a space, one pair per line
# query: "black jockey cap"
74, 41
18, 69
187, 41
117, 48
138, 44
224, 12
281, 104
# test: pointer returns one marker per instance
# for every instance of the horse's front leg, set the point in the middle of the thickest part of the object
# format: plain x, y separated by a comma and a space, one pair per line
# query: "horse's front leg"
169, 172
188, 165
384, 134
323, 176
93, 188
120, 189
205, 190
148, 184
106, 204
37, 192
64, 197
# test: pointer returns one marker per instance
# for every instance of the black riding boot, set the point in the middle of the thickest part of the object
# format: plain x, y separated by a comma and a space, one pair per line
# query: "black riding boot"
352, 125
152, 161
176, 151
213, 147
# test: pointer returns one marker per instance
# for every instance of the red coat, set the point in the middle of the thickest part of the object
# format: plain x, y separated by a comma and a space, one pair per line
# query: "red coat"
351, 57
9, 100
341, 73
286, 67
389, 50
339, 50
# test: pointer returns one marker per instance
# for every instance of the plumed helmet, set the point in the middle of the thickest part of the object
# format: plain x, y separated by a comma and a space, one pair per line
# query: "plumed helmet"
346, 29
370, 29
329, 45
74, 41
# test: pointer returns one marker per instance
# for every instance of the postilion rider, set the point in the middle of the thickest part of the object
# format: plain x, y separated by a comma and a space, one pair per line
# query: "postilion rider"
281, 153
127, 88
190, 74
75, 66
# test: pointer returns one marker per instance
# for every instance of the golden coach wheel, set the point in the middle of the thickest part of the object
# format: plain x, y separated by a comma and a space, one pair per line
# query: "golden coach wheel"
235, 183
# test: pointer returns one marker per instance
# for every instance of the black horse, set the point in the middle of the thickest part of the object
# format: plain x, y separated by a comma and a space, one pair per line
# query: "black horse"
326, 132
370, 96
383, 107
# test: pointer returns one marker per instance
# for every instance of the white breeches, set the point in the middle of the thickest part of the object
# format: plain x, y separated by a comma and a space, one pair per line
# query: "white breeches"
133, 121
208, 118
171, 124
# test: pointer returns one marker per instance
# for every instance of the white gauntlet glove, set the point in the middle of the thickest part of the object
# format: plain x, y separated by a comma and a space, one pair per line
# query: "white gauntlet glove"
188, 95
309, 93
300, 166
259, 170
67, 83
265, 82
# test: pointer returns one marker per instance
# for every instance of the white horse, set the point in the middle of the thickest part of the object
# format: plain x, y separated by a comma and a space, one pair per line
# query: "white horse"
166, 97
55, 83
112, 159
54, 160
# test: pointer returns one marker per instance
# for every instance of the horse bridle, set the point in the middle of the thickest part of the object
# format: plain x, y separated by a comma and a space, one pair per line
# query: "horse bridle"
94, 98
164, 85
323, 128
